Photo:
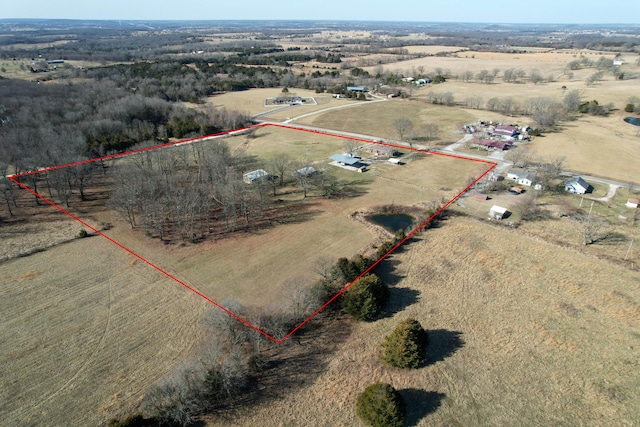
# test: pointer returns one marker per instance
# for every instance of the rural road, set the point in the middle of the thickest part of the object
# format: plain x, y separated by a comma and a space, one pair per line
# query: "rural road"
495, 157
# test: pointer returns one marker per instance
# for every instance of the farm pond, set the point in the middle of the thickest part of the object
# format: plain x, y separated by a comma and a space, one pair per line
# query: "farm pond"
392, 222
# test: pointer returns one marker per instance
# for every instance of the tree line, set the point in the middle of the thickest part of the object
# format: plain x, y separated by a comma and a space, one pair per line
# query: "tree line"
44, 125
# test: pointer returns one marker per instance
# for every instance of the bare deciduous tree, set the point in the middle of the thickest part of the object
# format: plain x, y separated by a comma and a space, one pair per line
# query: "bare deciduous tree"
403, 127
474, 102
592, 228
281, 165
430, 131
526, 206
535, 76
351, 146
548, 170
572, 101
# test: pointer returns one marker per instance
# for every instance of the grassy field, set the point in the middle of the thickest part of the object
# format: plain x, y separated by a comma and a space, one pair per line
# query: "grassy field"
522, 333
240, 267
252, 102
377, 119
81, 328
84, 330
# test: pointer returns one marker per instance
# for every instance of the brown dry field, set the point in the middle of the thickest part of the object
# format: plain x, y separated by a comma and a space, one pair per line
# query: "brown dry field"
432, 50
526, 332
252, 101
523, 332
241, 267
377, 119
87, 327
546, 62
84, 330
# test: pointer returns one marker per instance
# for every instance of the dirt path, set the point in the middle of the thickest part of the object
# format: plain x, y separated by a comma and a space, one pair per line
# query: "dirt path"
610, 194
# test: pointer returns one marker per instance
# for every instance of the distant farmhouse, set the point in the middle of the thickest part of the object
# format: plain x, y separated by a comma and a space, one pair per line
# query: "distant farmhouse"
356, 89
255, 176
524, 177
578, 186
506, 131
491, 144
348, 162
308, 171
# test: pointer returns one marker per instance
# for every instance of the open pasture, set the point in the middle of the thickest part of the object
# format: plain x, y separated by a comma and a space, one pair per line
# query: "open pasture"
81, 329
523, 332
552, 62
378, 119
85, 329
258, 267
252, 101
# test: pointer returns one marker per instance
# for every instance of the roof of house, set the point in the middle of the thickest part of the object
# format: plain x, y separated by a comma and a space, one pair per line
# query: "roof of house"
260, 173
492, 144
306, 171
518, 172
633, 201
528, 176
498, 209
578, 181
355, 88
347, 160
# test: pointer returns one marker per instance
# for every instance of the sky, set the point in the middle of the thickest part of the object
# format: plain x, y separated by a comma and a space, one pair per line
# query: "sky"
486, 11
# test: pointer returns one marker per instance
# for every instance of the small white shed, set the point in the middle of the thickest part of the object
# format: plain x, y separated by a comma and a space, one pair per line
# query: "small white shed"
497, 212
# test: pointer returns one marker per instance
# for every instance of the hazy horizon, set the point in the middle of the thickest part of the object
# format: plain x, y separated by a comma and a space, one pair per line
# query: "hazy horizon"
587, 12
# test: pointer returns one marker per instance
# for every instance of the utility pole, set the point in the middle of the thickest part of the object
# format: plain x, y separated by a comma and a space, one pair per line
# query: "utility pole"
628, 250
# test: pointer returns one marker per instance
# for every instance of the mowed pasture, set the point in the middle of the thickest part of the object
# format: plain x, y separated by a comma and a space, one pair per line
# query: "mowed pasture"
252, 102
85, 329
378, 119
523, 332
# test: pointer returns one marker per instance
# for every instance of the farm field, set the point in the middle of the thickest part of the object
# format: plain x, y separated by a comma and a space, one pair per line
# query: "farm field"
84, 330
252, 101
546, 62
522, 332
377, 119
88, 327
258, 267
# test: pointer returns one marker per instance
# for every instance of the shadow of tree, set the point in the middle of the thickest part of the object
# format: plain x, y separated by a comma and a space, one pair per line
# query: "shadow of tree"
399, 299
614, 238
442, 344
419, 404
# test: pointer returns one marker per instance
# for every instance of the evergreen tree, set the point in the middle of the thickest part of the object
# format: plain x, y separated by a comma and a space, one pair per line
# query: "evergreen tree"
405, 346
380, 405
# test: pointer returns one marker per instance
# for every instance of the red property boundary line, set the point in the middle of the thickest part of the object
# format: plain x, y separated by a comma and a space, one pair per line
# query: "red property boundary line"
15, 179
